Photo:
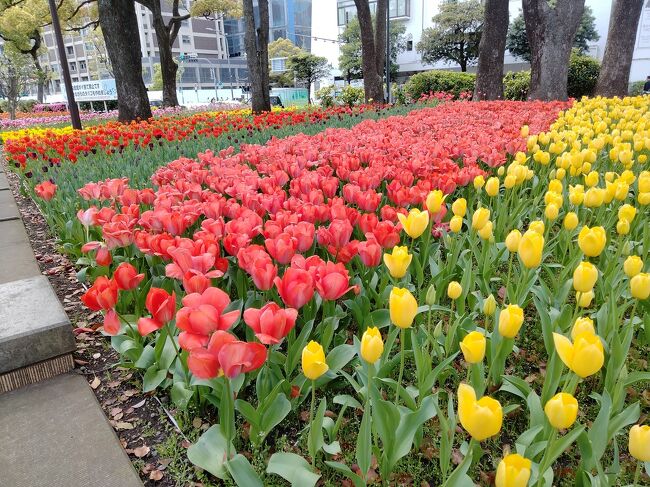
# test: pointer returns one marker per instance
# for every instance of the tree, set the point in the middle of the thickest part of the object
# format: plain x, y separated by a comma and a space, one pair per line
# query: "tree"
120, 28
489, 76
16, 74
101, 62
282, 48
350, 41
373, 47
551, 28
455, 35
256, 42
517, 39
308, 68
615, 70
157, 80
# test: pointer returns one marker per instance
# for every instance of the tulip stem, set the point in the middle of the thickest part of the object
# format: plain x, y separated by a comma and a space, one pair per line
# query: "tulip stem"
136, 335
507, 283
637, 474
402, 339
311, 418
542, 465
178, 353
571, 383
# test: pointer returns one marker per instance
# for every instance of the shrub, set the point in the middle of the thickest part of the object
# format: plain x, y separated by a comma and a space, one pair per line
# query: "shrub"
516, 85
351, 95
436, 81
26, 105
583, 75
326, 96
636, 88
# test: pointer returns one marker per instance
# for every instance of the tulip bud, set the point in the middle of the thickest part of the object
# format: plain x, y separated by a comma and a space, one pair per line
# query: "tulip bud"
530, 249
632, 265
623, 227
510, 320
481, 418
537, 226
524, 131
551, 212
584, 324
473, 347
454, 290
402, 306
492, 186
584, 299
627, 212
434, 201
509, 181
456, 223
639, 442
416, 222
313, 361
437, 331
585, 356
501, 171
513, 471
561, 410
430, 298
640, 286
570, 221
480, 218
512, 240
486, 232
398, 261
479, 182
372, 345
459, 207
489, 305
585, 277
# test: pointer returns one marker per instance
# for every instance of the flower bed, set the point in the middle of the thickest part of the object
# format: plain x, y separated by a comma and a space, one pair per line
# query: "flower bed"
334, 273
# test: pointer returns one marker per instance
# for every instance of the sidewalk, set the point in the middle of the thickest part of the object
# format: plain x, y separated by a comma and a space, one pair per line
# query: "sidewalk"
52, 430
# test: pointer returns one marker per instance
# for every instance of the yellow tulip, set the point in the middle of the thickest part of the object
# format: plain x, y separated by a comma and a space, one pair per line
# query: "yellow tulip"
594, 197
584, 324
639, 442
402, 306
632, 265
623, 227
480, 218
492, 186
489, 305
479, 182
561, 173
512, 240
456, 223
509, 181
585, 356
551, 212
537, 226
524, 131
531, 247
627, 212
584, 299
555, 186
415, 223
313, 361
459, 207
454, 290
486, 232
513, 471
570, 221
473, 347
510, 320
372, 345
434, 201
481, 419
576, 197
398, 261
591, 179
585, 277
561, 410
644, 199
592, 240
640, 286
501, 171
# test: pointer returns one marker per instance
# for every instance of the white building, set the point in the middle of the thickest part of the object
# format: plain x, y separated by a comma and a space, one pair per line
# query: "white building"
329, 18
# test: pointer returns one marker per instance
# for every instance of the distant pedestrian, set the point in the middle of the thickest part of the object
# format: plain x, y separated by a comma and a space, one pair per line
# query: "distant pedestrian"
646, 86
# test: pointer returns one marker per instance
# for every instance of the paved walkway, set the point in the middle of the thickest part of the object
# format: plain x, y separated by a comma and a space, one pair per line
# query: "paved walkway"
53, 433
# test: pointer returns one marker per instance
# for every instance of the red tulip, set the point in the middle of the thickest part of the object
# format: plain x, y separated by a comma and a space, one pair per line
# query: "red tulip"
45, 190
101, 295
240, 357
296, 287
270, 323
127, 277
204, 363
161, 304
333, 281
111, 322
282, 248
195, 283
369, 252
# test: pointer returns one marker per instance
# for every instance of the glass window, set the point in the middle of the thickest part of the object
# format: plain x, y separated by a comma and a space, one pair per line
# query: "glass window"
279, 64
69, 49
278, 17
186, 39
73, 66
409, 45
82, 64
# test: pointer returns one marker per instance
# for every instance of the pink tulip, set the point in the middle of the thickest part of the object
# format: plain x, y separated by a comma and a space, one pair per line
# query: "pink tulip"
270, 323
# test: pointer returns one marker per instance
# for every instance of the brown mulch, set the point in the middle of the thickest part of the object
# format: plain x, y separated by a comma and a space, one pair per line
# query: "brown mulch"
139, 420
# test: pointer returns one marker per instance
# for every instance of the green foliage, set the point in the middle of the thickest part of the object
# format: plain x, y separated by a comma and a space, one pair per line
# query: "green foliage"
307, 68
517, 40
283, 48
351, 95
350, 58
455, 35
583, 75
26, 105
636, 88
516, 85
326, 96
432, 81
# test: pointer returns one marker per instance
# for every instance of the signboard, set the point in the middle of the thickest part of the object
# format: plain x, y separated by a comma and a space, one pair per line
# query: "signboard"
644, 27
103, 89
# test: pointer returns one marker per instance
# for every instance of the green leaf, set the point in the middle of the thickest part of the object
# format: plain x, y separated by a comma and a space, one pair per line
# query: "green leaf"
292, 468
181, 394
528, 436
242, 472
295, 350
597, 434
379, 318
209, 453
408, 425
147, 358
347, 400
153, 377
628, 416
340, 356
273, 415
345, 470
315, 440
561, 444
249, 413
364, 443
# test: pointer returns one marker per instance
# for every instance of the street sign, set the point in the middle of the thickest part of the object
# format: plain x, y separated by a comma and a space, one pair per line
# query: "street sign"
103, 89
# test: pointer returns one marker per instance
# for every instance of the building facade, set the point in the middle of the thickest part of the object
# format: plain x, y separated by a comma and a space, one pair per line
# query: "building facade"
331, 16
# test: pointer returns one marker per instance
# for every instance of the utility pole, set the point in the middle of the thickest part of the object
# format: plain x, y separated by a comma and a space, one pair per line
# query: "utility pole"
65, 69
388, 52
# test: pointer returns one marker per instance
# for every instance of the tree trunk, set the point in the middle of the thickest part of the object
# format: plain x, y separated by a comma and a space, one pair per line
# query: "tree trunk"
120, 29
168, 67
489, 76
615, 70
256, 41
550, 31
372, 80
